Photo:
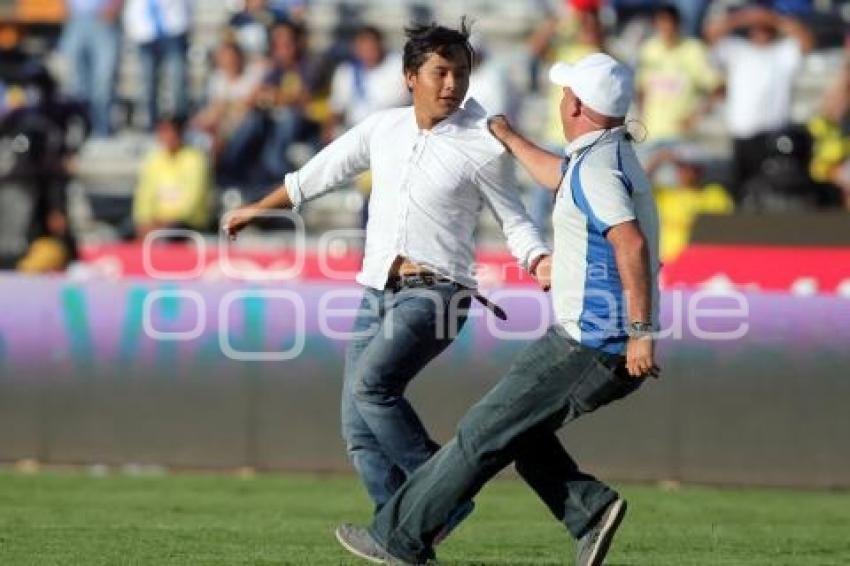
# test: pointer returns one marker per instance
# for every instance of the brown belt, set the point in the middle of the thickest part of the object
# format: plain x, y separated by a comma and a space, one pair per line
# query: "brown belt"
429, 279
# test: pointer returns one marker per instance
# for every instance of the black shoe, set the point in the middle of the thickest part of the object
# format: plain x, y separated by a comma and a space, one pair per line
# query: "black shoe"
593, 546
359, 542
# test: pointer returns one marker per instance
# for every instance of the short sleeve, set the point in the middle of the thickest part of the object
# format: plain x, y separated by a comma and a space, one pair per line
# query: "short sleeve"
604, 197
703, 72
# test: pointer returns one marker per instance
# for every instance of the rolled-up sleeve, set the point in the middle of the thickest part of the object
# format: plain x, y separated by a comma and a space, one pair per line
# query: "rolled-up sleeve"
333, 167
497, 183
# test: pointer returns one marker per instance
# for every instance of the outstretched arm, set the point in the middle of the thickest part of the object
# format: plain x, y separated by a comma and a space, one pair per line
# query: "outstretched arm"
543, 166
234, 222
334, 166
524, 240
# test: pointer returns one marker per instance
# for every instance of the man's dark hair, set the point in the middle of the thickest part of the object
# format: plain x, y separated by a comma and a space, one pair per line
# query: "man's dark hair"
299, 30
423, 40
670, 11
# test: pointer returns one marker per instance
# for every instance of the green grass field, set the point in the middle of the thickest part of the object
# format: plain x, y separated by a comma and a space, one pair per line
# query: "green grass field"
65, 518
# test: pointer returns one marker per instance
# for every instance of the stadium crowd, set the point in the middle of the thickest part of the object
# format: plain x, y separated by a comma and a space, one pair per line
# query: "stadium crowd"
272, 100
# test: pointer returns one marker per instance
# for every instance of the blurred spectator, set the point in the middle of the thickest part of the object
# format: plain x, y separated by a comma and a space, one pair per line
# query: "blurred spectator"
831, 131
680, 204
232, 88
674, 76
692, 14
174, 184
37, 139
279, 115
160, 29
91, 42
371, 81
287, 93
252, 25
577, 32
760, 73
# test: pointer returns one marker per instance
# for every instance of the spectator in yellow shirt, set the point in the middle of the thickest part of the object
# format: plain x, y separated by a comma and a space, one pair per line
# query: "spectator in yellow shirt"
681, 204
831, 132
675, 80
174, 184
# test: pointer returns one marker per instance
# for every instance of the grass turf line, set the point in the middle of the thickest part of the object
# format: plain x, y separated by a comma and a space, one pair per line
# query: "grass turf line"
60, 518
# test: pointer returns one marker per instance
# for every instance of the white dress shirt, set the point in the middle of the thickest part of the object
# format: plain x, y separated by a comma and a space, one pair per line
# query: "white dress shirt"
428, 188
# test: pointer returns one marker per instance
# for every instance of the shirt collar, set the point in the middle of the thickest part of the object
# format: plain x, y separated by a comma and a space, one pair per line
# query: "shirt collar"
468, 112
590, 138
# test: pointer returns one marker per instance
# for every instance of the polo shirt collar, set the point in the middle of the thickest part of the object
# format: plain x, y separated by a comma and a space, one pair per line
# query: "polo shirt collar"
590, 138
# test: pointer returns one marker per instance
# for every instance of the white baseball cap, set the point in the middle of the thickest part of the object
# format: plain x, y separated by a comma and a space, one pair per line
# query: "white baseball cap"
601, 82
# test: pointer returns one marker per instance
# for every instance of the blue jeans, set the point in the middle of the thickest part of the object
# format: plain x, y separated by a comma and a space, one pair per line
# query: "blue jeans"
171, 54
255, 153
395, 335
554, 381
92, 48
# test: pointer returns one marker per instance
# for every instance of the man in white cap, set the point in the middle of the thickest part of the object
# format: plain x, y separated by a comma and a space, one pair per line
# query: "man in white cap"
606, 300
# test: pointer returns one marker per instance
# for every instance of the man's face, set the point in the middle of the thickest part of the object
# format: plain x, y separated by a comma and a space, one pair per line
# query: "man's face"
570, 112
590, 28
368, 50
762, 34
169, 137
284, 46
440, 84
666, 27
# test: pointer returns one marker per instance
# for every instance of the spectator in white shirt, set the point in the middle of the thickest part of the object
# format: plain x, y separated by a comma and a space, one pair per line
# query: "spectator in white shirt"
434, 166
160, 29
760, 73
371, 81
232, 87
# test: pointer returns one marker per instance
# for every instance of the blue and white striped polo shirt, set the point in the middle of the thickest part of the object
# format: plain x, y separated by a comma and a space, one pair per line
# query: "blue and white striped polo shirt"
603, 185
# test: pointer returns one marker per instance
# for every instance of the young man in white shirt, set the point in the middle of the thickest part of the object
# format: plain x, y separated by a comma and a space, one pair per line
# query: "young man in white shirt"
605, 293
760, 74
434, 165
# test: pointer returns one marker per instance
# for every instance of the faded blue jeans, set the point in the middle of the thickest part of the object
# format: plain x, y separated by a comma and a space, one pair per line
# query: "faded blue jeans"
396, 334
171, 54
92, 48
554, 381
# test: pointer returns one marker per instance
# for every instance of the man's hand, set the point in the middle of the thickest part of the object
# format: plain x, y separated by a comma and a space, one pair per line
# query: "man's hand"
640, 355
542, 272
500, 128
235, 221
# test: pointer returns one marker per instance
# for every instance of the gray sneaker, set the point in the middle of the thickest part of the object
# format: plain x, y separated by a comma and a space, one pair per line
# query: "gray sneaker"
593, 546
359, 542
